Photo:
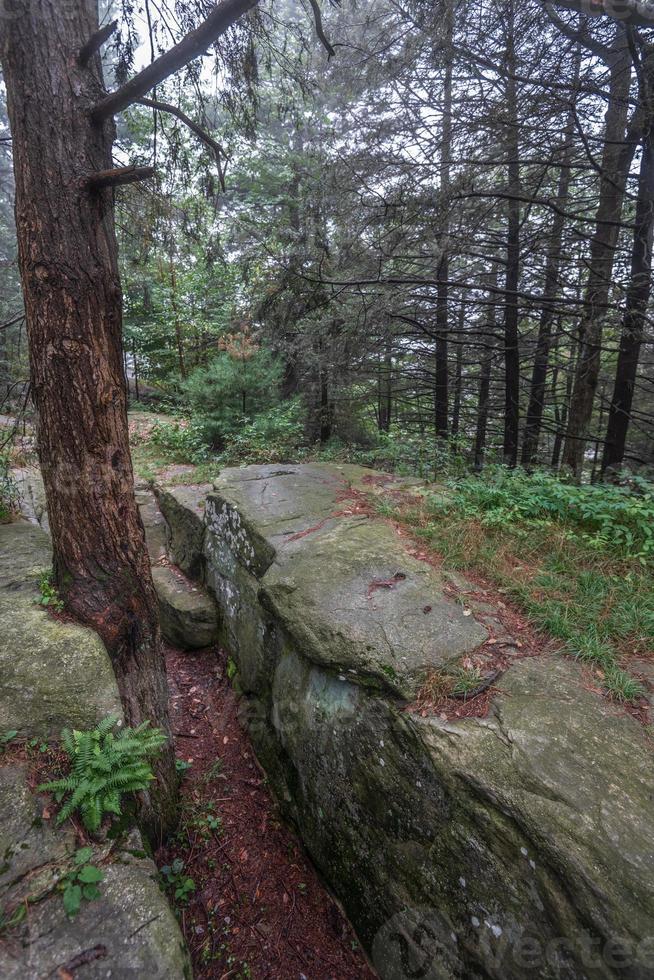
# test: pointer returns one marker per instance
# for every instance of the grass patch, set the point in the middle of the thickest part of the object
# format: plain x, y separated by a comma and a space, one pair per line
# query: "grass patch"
559, 563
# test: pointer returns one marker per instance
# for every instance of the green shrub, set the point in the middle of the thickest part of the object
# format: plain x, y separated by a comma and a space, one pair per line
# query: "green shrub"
182, 442
81, 883
105, 766
272, 436
230, 392
181, 886
610, 519
49, 594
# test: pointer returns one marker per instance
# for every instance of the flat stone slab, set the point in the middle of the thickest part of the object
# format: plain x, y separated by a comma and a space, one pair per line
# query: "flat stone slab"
344, 587
130, 931
517, 843
53, 674
188, 615
566, 781
154, 525
352, 598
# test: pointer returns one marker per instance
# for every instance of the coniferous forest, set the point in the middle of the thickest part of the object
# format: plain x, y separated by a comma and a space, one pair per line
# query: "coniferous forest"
389, 262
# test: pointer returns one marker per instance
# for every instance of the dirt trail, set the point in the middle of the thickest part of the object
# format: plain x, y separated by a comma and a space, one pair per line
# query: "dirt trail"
258, 910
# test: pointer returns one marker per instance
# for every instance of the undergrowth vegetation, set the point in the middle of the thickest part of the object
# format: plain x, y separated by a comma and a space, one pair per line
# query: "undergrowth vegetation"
612, 520
578, 560
278, 436
104, 767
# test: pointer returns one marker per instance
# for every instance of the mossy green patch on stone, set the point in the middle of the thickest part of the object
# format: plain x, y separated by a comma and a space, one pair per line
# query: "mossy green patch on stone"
53, 674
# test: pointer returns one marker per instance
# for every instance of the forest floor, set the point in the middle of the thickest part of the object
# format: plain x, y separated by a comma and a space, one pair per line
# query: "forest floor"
551, 590
254, 907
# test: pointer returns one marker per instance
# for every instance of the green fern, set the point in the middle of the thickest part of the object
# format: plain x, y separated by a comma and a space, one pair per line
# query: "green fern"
105, 765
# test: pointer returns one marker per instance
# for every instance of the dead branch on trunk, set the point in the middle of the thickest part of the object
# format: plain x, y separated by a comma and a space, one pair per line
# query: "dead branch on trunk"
119, 176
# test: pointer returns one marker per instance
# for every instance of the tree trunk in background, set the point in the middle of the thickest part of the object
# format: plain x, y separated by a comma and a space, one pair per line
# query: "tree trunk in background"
441, 380
600, 421
614, 169
483, 398
441, 390
458, 374
552, 268
561, 418
633, 323
179, 337
68, 264
325, 409
511, 313
385, 410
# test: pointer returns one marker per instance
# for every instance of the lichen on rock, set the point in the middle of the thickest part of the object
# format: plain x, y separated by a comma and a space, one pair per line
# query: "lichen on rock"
516, 844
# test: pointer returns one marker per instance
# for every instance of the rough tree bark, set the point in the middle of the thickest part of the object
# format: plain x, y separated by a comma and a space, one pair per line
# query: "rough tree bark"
63, 131
68, 264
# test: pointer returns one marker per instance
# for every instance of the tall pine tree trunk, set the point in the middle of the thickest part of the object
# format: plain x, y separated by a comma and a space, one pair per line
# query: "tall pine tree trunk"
614, 169
458, 374
485, 372
552, 267
511, 312
68, 264
633, 324
441, 389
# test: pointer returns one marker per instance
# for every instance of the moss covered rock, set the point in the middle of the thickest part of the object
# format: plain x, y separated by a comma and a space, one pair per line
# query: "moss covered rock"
183, 510
129, 931
188, 616
517, 844
52, 673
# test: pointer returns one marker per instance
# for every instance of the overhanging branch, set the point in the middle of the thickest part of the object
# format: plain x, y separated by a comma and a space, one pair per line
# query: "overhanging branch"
320, 31
192, 46
201, 134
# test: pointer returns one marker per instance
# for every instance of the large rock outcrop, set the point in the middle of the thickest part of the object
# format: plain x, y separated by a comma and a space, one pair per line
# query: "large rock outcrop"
52, 673
187, 614
518, 844
55, 674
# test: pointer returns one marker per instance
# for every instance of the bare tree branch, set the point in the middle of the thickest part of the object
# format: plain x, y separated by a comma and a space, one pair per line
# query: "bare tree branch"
117, 176
14, 320
201, 134
95, 42
190, 47
317, 16
577, 35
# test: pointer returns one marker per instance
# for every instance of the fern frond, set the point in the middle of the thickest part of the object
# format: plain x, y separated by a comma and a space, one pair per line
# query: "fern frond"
104, 766
107, 725
68, 742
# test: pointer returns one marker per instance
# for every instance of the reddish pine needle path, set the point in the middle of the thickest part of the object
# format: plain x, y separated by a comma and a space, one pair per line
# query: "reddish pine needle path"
258, 910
